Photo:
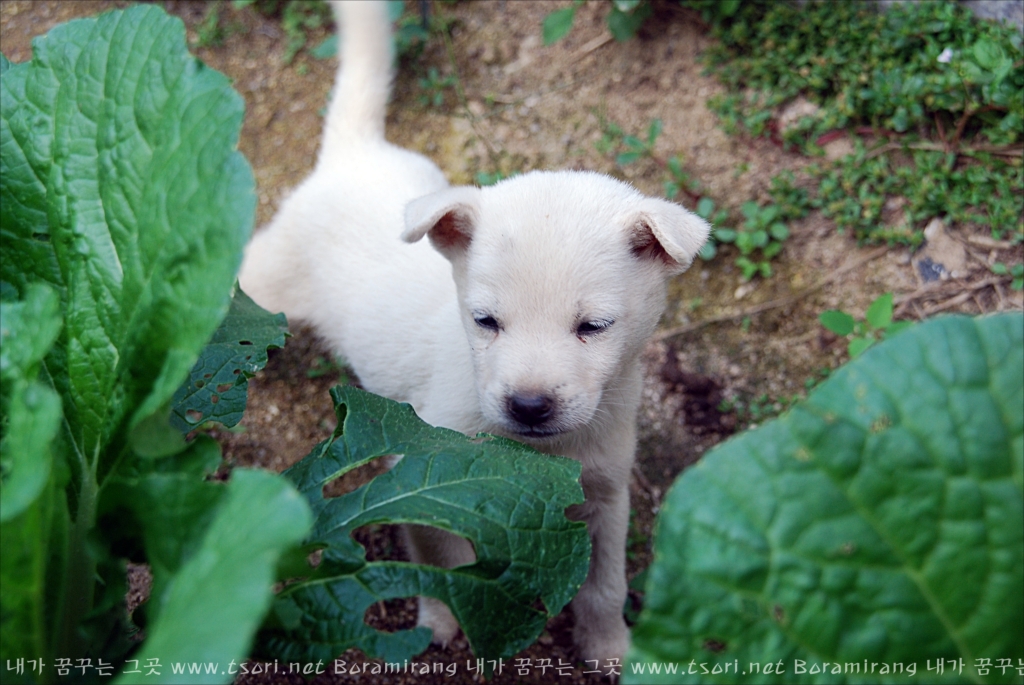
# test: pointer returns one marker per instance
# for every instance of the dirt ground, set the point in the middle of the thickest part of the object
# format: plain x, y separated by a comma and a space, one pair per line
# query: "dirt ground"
519, 106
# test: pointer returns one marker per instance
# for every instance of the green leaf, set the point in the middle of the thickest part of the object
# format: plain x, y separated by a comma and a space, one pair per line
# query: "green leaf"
988, 54
836, 321
31, 544
213, 585
627, 158
779, 231
708, 251
31, 411
634, 143
124, 189
623, 25
879, 521
879, 314
327, 48
557, 24
652, 135
725, 235
705, 207
507, 499
218, 384
675, 165
858, 345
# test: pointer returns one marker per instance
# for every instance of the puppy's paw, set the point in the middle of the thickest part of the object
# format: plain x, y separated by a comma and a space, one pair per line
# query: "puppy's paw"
436, 615
607, 640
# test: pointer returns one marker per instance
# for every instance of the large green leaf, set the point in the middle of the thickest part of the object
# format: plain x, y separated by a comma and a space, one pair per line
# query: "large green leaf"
503, 496
879, 522
213, 549
30, 499
218, 384
29, 411
123, 188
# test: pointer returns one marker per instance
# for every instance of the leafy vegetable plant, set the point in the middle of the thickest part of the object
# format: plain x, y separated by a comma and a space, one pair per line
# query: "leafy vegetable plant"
506, 498
125, 206
877, 324
877, 527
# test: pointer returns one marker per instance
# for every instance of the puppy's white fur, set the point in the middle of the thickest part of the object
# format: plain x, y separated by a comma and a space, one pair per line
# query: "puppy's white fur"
525, 315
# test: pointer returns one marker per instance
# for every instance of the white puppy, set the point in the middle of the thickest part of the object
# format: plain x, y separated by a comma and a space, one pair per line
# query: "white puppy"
525, 315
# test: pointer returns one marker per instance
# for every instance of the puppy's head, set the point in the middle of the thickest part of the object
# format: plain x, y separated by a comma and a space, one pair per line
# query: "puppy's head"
561, 280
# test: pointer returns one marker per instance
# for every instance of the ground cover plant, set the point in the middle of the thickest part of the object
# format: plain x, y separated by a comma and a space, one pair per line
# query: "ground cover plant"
936, 94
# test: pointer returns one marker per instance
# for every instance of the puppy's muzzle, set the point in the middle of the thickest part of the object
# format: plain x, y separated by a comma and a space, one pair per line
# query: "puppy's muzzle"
532, 411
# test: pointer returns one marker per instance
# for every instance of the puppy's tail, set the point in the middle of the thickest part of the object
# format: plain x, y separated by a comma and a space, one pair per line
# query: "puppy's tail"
359, 102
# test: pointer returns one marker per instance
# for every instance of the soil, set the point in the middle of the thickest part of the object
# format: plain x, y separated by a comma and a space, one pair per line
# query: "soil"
519, 106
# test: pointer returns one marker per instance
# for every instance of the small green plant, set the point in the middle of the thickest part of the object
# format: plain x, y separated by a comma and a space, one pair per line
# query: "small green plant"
624, 19
763, 230
717, 218
1017, 271
877, 324
298, 18
792, 200
434, 86
629, 148
210, 33
753, 410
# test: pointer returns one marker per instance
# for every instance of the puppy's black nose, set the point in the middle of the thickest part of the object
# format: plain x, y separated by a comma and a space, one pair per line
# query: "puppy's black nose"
531, 410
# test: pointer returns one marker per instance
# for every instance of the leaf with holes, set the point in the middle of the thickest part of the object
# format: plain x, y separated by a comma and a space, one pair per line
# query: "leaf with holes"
878, 524
506, 498
218, 384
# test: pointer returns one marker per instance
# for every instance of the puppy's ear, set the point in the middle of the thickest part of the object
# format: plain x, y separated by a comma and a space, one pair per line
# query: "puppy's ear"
448, 217
665, 233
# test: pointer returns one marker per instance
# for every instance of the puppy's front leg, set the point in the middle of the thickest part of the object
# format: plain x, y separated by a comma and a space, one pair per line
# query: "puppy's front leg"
436, 547
601, 631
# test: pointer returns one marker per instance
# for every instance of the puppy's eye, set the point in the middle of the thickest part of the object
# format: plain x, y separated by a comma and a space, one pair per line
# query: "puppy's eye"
487, 322
592, 327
